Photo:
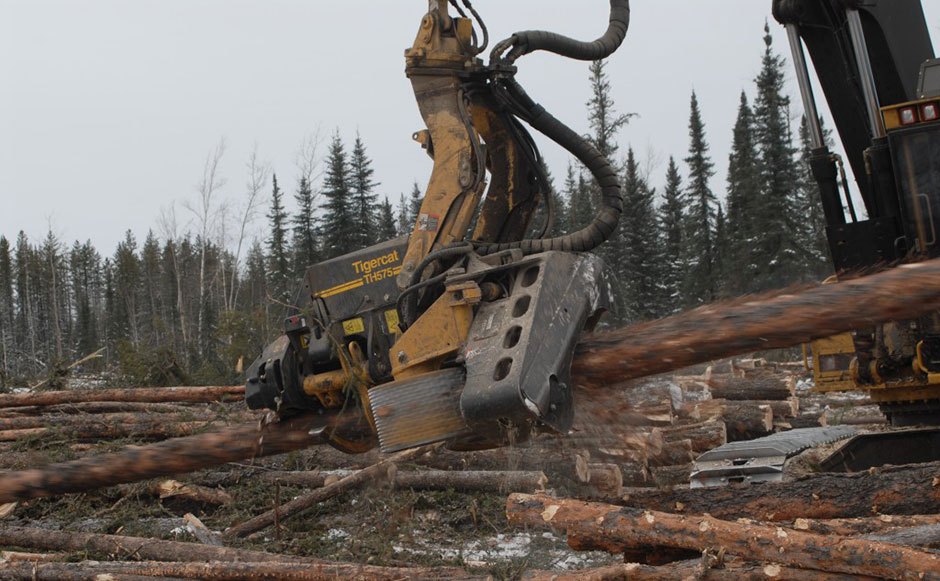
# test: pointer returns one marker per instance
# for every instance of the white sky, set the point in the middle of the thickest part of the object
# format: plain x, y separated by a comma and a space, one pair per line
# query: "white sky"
108, 108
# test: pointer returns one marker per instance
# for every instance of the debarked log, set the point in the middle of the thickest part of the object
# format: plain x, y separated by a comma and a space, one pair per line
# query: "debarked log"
638, 527
894, 490
175, 456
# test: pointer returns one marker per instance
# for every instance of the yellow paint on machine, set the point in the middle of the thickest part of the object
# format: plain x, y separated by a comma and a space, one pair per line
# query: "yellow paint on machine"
353, 326
368, 278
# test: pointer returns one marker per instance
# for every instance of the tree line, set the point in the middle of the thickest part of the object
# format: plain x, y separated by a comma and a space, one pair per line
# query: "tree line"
196, 304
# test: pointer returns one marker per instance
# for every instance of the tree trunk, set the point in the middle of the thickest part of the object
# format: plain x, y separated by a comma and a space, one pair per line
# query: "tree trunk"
175, 456
737, 389
636, 527
149, 395
674, 452
157, 550
730, 570
704, 436
464, 481
772, 320
894, 490
863, 526
671, 475
104, 407
145, 429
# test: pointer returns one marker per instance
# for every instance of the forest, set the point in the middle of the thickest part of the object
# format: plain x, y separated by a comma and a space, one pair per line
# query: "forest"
195, 304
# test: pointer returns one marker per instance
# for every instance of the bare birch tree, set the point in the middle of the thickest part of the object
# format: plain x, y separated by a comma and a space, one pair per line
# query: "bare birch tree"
255, 183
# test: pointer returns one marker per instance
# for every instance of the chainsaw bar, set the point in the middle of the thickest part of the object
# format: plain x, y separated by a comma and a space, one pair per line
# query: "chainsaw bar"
420, 410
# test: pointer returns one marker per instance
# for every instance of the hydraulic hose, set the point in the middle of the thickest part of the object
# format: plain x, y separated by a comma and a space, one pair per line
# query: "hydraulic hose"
514, 97
524, 42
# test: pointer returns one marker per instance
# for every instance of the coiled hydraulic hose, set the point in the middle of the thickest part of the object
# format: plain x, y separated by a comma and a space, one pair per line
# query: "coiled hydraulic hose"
516, 101
523, 43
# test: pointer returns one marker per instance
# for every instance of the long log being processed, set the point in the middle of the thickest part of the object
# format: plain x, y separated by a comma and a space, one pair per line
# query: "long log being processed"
892, 490
769, 321
638, 527
176, 456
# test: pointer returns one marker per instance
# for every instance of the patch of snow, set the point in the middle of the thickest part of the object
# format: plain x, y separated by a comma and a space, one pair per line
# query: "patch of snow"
337, 534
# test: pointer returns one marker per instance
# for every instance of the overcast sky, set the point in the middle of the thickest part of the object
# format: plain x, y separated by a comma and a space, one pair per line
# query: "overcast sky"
108, 108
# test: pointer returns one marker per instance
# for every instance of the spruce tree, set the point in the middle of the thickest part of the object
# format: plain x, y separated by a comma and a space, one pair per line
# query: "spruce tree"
405, 224
338, 223
637, 257
602, 115
580, 210
386, 227
698, 285
6, 312
304, 240
277, 244
743, 195
365, 203
721, 252
776, 215
414, 205
671, 229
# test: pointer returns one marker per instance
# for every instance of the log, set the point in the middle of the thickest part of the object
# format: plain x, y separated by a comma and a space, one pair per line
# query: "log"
137, 395
463, 481
893, 490
738, 389
201, 531
730, 570
744, 421
634, 474
703, 435
671, 475
159, 550
175, 456
174, 489
636, 527
603, 480
214, 571
96, 407
926, 536
145, 429
674, 452
146, 421
266, 519
863, 526
770, 321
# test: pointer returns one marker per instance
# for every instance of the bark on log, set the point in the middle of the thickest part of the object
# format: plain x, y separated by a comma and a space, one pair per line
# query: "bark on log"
176, 456
772, 320
464, 481
731, 570
895, 490
266, 519
671, 475
674, 452
636, 527
158, 550
704, 435
738, 389
136, 395
145, 429
145, 421
744, 421
100, 407
602, 480
215, 571
848, 527
926, 537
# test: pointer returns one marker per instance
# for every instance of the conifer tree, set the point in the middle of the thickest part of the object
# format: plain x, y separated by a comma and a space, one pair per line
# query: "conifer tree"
743, 195
365, 203
387, 229
127, 281
580, 208
304, 241
721, 251
414, 205
338, 220
602, 115
636, 261
405, 226
671, 226
699, 246
85, 262
6, 311
779, 244
150, 295
277, 243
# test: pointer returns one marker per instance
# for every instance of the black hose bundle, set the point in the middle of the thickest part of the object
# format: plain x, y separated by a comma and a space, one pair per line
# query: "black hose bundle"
514, 98
523, 43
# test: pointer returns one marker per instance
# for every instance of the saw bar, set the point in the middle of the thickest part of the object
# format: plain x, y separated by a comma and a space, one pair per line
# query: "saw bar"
419, 411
